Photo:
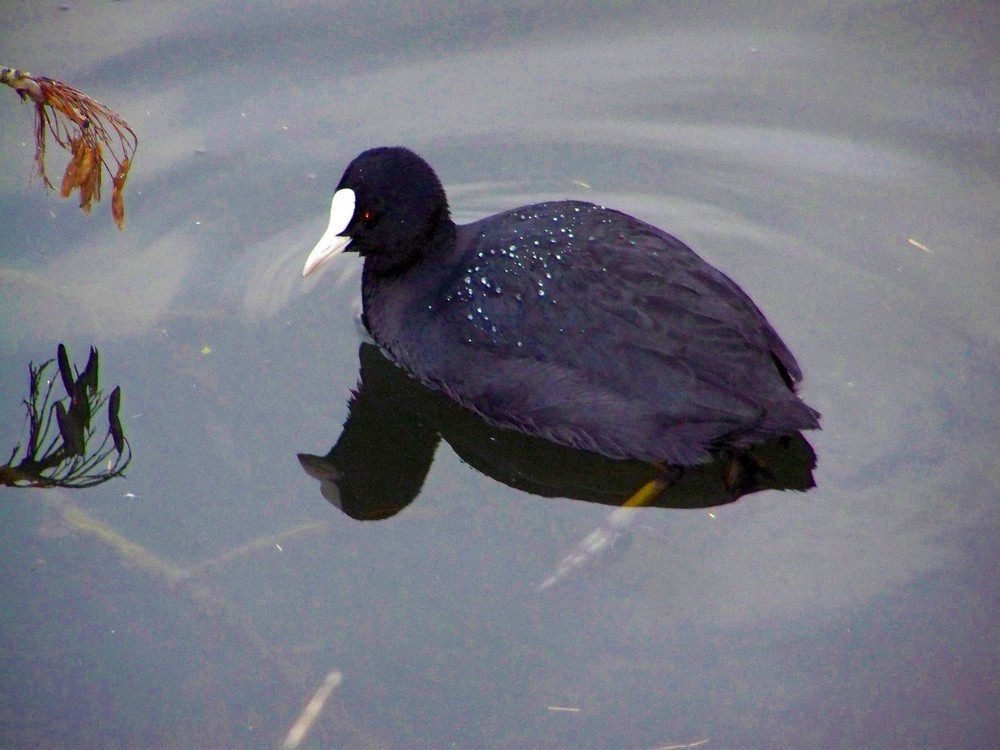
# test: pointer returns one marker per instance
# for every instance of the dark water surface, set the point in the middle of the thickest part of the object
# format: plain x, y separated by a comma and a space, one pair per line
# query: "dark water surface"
800, 147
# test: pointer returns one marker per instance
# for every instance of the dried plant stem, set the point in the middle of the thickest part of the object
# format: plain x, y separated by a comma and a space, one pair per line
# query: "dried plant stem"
93, 134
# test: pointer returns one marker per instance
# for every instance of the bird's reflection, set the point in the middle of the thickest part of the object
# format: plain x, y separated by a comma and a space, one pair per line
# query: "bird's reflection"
382, 457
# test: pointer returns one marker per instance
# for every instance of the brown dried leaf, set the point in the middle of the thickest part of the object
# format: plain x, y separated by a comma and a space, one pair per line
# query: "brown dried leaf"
118, 208
90, 179
117, 201
71, 177
40, 128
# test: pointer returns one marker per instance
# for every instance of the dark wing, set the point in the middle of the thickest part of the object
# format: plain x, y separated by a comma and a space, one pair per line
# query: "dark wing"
618, 339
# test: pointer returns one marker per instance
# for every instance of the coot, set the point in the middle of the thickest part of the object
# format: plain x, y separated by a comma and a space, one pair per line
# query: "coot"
563, 319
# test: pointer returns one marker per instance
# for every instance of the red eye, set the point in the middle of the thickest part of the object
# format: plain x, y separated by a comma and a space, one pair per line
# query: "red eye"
368, 217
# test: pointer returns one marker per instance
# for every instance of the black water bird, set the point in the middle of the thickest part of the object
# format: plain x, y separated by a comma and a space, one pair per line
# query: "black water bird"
566, 320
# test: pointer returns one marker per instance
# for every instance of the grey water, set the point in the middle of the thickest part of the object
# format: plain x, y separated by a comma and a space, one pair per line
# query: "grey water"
839, 160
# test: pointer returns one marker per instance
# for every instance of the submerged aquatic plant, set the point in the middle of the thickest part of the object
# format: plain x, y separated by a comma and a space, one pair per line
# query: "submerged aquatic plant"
80, 125
61, 432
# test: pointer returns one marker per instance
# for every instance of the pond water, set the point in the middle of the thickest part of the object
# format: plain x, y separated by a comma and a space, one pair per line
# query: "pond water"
841, 161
